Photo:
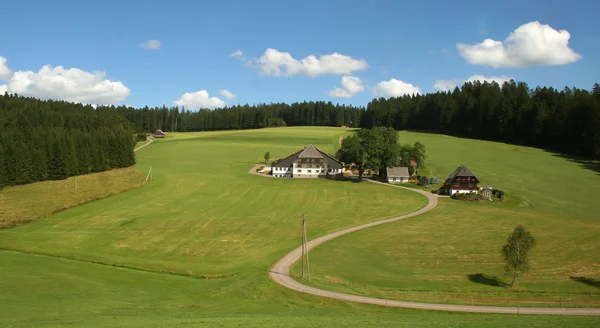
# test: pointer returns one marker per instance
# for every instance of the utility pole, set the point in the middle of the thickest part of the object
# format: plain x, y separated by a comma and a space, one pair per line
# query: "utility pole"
305, 249
149, 176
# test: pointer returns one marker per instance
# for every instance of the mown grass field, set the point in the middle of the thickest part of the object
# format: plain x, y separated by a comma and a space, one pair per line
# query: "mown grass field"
23, 204
452, 254
193, 247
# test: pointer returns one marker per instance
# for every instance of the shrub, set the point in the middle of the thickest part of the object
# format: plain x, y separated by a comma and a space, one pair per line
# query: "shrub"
470, 197
498, 193
141, 137
259, 168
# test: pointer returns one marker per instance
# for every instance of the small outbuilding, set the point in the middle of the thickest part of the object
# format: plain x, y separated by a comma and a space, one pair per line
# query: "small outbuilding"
397, 174
487, 193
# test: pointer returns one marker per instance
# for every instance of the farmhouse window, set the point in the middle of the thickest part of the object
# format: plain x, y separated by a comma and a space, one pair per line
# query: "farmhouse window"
309, 171
470, 185
456, 185
299, 171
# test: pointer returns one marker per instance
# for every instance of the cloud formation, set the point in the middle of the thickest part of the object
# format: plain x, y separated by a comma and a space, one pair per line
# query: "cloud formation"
3, 89
449, 85
150, 45
276, 63
5, 73
227, 94
351, 85
199, 99
532, 44
394, 88
71, 84
238, 54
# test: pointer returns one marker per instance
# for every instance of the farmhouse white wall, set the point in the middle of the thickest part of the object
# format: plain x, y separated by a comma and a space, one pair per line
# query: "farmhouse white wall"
460, 191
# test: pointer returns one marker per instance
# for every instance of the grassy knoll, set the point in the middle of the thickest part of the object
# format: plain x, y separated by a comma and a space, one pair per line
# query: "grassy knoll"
452, 254
193, 247
23, 204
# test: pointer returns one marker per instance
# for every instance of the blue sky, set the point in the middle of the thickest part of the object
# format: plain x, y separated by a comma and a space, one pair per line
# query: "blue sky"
408, 45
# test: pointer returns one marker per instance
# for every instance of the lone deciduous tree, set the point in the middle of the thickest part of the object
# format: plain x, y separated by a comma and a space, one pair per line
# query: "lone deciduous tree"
267, 156
516, 251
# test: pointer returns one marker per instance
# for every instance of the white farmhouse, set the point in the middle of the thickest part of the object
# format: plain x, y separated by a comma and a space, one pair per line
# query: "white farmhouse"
397, 174
309, 162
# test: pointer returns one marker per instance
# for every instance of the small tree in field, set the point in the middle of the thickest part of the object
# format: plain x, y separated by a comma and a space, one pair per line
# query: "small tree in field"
267, 156
516, 251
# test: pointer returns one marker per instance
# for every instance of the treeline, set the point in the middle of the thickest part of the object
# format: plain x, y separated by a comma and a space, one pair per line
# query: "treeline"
566, 121
242, 117
52, 140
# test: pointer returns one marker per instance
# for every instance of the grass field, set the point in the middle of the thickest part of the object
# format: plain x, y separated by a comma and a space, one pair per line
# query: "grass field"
452, 254
23, 204
193, 247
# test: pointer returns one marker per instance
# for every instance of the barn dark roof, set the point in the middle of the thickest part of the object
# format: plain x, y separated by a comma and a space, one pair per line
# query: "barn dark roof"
308, 152
462, 172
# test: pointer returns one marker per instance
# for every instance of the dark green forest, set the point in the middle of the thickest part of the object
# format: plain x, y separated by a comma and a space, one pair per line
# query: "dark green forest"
566, 121
52, 140
42, 140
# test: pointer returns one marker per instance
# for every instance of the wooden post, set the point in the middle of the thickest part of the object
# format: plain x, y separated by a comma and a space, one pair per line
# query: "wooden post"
306, 245
302, 276
149, 176
76, 183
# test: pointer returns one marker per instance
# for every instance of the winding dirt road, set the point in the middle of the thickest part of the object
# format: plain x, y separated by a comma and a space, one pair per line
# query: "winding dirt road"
146, 144
279, 273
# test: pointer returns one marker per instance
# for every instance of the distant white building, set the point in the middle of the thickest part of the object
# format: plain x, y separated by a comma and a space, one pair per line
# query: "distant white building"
397, 174
309, 162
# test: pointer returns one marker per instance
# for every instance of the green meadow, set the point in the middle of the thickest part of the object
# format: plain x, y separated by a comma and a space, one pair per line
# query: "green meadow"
452, 254
193, 247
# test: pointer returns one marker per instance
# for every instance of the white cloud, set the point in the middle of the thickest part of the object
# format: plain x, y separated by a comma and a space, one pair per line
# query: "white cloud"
449, 85
238, 54
5, 73
199, 99
351, 85
70, 84
394, 88
3, 89
277, 63
227, 94
531, 44
150, 45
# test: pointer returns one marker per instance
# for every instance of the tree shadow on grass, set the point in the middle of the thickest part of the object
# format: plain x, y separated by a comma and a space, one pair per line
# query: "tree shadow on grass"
587, 281
583, 162
481, 278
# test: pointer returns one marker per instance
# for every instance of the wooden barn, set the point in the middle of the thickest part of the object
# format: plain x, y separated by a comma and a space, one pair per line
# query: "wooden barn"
159, 134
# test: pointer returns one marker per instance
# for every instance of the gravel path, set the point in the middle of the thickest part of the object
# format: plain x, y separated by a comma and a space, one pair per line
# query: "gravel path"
146, 144
279, 273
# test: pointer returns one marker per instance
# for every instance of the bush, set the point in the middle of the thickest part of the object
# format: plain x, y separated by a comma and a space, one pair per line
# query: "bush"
498, 193
259, 168
141, 137
470, 197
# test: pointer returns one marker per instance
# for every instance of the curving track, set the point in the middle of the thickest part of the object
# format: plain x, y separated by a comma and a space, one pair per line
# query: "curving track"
279, 273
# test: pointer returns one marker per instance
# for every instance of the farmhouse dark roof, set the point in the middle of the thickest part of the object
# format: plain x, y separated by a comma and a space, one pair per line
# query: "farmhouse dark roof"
462, 172
399, 171
308, 152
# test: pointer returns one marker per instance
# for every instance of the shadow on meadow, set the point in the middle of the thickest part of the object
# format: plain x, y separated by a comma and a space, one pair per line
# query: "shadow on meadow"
483, 279
587, 281
583, 162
